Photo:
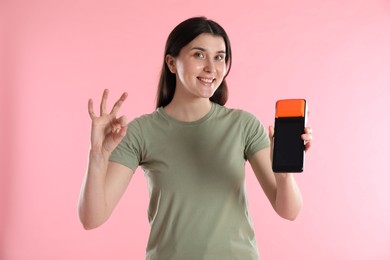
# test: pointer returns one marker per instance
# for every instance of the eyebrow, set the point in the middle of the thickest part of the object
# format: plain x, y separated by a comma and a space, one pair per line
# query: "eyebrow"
203, 49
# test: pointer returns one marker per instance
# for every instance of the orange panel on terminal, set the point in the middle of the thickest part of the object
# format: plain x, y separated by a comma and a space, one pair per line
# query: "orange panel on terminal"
290, 108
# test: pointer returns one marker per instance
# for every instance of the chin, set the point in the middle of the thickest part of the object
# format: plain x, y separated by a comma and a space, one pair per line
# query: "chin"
207, 94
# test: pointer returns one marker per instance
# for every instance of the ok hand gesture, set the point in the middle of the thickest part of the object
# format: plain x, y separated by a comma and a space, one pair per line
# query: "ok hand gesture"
107, 130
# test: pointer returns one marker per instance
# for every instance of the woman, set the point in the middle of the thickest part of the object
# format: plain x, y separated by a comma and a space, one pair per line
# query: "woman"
193, 151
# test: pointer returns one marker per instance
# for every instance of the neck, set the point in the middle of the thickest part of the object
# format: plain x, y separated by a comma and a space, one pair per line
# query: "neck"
188, 110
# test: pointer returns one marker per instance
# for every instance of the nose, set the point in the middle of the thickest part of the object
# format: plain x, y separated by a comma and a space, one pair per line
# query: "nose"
209, 66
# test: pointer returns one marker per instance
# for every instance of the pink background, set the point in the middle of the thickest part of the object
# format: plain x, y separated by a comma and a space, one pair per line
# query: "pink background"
57, 54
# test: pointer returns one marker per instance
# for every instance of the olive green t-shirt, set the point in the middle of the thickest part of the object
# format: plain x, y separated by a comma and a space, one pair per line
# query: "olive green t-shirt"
196, 180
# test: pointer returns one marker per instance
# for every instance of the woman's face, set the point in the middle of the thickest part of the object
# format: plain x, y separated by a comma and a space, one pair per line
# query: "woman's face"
200, 66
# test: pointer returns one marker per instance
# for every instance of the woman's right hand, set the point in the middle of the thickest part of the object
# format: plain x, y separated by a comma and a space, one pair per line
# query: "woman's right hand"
107, 130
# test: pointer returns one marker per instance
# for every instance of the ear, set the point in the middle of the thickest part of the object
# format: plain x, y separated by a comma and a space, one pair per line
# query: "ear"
170, 61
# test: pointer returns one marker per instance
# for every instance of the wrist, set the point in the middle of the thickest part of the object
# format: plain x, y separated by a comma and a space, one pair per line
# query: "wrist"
98, 155
282, 177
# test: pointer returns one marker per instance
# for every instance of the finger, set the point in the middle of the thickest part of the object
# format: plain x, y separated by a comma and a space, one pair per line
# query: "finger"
118, 104
118, 124
308, 130
271, 131
122, 121
103, 104
307, 146
119, 134
90, 109
307, 137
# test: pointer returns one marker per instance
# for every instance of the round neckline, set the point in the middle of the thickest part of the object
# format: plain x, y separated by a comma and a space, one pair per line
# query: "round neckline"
162, 112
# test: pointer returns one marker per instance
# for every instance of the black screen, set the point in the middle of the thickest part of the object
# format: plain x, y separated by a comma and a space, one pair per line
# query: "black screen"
288, 155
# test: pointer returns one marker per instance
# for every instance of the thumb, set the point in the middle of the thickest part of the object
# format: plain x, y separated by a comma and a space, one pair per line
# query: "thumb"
271, 131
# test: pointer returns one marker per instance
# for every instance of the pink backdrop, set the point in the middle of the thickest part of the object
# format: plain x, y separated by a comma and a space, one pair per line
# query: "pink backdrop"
57, 54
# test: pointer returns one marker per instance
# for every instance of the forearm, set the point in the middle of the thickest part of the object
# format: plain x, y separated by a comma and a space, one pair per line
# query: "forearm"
288, 201
92, 203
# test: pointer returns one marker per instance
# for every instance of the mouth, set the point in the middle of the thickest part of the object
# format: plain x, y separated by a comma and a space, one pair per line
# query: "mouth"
206, 80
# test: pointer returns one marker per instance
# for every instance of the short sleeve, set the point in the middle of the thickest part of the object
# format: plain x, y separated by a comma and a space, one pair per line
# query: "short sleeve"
256, 137
129, 150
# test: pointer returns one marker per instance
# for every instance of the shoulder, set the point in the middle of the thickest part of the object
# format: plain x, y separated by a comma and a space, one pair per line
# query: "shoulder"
144, 119
138, 125
236, 114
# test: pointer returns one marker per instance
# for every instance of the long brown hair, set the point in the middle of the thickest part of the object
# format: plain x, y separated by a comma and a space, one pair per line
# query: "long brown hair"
180, 36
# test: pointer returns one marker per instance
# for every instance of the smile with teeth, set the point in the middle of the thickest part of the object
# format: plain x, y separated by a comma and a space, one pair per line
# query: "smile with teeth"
206, 80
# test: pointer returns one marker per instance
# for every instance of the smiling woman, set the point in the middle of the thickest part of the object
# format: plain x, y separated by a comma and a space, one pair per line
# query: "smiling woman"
193, 151
182, 35
57, 54
200, 68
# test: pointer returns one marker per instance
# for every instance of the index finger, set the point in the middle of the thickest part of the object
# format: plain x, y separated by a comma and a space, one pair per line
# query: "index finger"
103, 102
118, 104
90, 109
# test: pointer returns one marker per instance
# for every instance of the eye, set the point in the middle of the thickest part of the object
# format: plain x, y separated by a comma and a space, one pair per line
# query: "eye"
199, 55
220, 57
